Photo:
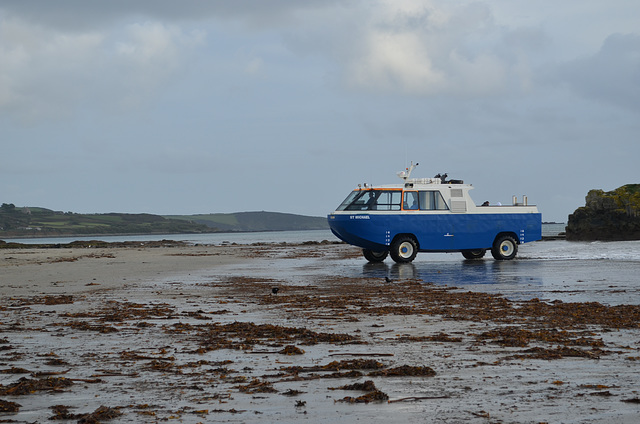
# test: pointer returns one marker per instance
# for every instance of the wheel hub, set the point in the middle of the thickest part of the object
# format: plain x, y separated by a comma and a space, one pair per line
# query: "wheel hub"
406, 250
506, 248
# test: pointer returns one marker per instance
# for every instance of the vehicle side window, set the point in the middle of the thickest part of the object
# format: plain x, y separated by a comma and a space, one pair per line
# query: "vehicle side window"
411, 201
432, 200
372, 200
389, 201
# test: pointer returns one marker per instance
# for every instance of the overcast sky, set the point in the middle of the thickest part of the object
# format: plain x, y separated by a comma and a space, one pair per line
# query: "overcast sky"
184, 107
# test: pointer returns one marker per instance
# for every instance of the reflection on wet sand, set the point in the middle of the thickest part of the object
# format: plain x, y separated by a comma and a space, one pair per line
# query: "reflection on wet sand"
460, 274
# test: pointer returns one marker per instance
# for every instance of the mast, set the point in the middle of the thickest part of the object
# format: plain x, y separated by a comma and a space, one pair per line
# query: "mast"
407, 172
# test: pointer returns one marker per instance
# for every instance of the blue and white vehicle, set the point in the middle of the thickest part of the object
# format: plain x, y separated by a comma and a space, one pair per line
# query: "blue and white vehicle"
431, 215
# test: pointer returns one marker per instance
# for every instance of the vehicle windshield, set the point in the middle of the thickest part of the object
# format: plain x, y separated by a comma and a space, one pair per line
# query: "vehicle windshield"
372, 200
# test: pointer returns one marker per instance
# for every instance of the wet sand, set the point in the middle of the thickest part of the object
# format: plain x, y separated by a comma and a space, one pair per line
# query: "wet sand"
184, 334
36, 271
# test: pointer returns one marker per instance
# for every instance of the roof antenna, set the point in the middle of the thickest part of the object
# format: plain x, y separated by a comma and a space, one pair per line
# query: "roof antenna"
407, 172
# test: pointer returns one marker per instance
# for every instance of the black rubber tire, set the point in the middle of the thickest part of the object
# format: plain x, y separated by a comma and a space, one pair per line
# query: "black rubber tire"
404, 249
474, 254
504, 248
374, 257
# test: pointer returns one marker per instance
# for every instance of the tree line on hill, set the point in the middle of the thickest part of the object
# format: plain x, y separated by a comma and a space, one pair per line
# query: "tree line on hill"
42, 222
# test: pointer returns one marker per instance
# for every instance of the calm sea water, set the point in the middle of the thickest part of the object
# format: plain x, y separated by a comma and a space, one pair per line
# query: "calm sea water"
225, 238
211, 238
553, 229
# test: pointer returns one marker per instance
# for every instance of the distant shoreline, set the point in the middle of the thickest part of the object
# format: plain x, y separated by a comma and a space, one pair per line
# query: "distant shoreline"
144, 234
33, 222
36, 236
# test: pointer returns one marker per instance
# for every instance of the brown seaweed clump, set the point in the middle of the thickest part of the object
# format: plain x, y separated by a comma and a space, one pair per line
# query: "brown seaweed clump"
257, 386
367, 386
26, 386
376, 396
103, 413
245, 335
372, 395
7, 406
291, 350
405, 370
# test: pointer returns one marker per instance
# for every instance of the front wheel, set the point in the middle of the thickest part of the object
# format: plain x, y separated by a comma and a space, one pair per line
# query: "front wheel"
404, 249
504, 248
374, 257
474, 254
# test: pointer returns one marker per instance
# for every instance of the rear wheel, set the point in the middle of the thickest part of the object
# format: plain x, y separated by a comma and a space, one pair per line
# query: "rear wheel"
404, 249
372, 256
504, 248
474, 254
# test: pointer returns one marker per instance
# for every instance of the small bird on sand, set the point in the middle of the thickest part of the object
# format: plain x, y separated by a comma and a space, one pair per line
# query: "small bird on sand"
388, 280
275, 290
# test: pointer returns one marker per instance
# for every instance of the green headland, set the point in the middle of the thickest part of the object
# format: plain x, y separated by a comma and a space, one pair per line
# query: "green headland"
42, 222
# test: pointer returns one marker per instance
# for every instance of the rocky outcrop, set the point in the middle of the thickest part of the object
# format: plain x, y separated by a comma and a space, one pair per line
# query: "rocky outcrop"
607, 215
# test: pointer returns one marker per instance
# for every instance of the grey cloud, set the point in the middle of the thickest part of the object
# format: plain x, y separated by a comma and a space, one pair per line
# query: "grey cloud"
116, 70
421, 51
612, 75
82, 14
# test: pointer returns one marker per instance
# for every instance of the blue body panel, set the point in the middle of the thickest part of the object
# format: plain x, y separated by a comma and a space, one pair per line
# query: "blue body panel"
435, 232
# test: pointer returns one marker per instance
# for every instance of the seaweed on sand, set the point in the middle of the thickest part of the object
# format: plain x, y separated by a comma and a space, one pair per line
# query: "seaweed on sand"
26, 386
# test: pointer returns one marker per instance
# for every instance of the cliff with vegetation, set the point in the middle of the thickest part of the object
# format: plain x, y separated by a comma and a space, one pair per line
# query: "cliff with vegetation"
607, 216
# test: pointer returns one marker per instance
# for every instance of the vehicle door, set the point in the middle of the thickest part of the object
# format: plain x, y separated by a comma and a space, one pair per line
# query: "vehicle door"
429, 219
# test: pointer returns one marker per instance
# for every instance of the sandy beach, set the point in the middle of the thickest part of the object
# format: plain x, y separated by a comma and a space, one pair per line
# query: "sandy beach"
34, 271
198, 334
